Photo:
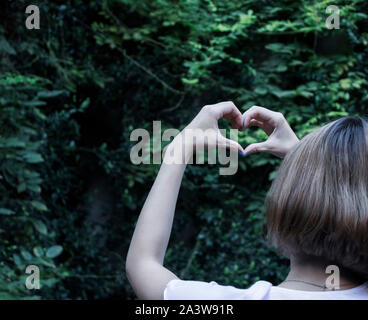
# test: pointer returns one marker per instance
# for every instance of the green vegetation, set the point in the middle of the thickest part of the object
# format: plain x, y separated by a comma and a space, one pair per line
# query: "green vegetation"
72, 92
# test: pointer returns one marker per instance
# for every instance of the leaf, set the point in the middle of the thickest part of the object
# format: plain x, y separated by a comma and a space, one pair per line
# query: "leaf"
39, 114
33, 157
222, 27
260, 90
34, 188
6, 211
49, 282
17, 260
21, 187
54, 251
305, 94
284, 94
39, 226
39, 206
6, 47
46, 263
279, 47
189, 81
34, 103
38, 251
85, 103
26, 255
337, 114
12, 143
272, 175
281, 68
50, 94
345, 83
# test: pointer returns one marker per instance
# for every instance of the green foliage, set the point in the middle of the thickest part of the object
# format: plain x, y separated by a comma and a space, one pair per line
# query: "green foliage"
72, 92
22, 206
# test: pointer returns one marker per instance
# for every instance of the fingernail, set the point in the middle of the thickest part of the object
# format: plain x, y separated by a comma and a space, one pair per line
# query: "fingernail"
242, 126
243, 154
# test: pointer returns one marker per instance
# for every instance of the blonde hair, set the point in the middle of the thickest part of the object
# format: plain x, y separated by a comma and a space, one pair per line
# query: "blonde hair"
318, 202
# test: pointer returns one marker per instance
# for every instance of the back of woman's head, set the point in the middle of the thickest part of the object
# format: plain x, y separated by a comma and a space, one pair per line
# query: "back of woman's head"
318, 203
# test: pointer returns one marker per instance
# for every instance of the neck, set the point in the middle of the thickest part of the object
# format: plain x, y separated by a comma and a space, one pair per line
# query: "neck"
310, 273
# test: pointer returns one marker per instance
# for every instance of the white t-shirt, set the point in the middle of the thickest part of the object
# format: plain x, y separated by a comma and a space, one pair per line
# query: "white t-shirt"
261, 290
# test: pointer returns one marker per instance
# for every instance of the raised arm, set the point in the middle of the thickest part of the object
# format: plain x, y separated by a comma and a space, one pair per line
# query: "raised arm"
144, 264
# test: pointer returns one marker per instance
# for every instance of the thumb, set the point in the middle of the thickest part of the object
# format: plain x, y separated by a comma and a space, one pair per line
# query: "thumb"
256, 147
230, 144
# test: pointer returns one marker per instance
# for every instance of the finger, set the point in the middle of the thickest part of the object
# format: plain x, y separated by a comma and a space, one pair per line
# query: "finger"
230, 144
259, 113
257, 147
263, 125
228, 111
234, 146
256, 123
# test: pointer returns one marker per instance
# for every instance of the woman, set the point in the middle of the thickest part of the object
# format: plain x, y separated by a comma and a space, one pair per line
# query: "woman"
317, 211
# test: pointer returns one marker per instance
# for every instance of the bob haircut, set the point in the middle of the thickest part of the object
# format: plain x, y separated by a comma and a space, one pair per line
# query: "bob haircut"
318, 203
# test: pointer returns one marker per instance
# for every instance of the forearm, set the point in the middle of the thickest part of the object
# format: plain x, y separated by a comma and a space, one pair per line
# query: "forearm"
152, 232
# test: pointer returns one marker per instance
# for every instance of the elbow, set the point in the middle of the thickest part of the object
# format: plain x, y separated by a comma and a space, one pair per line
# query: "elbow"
132, 264
135, 264
128, 270
129, 266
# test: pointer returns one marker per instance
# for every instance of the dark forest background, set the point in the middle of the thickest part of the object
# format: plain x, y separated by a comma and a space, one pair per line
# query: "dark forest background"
72, 92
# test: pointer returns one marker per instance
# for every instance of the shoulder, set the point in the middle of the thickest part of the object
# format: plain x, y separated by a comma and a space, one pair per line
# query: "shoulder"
198, 290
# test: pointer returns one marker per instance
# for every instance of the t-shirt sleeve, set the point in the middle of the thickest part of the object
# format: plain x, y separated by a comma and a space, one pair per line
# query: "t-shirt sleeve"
198, 290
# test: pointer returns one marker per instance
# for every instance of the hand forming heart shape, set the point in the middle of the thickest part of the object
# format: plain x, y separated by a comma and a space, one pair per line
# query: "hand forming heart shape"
281, 137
